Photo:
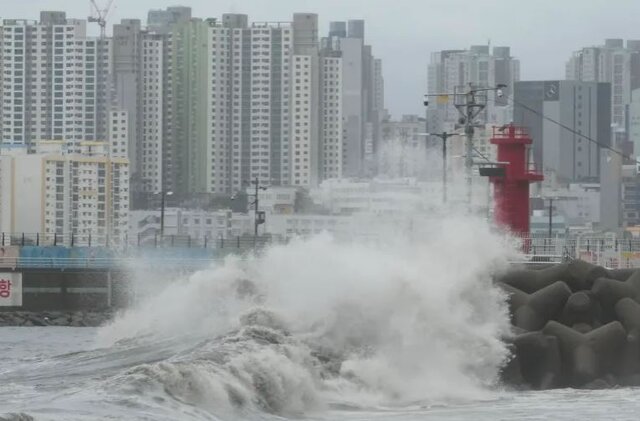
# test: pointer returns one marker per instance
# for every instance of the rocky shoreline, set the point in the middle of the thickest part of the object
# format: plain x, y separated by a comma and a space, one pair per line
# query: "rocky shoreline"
55, 318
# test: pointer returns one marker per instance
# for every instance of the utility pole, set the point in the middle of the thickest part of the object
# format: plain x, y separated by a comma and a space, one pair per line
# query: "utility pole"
469, 101
259, 217
550, 217
444, 136
162, 193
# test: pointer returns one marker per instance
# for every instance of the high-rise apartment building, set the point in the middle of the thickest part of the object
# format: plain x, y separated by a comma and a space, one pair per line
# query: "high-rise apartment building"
255, 100
331, 116
118, 134
581, 106
56, 82
213, 104
362, 98
633, 123
60, 191
451, 70
162, 21
252, 121
143, 78
614, 63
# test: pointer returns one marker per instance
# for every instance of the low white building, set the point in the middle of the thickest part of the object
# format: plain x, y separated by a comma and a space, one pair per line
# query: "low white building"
578, 203
396, 196
81, 197
274, 199
188, 225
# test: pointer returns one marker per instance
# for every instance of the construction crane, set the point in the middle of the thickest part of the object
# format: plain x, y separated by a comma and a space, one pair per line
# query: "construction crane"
100, 16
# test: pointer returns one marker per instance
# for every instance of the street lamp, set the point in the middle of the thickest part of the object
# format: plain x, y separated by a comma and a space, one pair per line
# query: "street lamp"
162, 194
443, 136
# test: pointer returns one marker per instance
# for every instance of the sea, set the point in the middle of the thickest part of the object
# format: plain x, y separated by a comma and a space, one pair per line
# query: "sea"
317, 329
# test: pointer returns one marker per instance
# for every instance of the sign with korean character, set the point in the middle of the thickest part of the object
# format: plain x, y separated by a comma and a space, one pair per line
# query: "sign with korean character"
10, 289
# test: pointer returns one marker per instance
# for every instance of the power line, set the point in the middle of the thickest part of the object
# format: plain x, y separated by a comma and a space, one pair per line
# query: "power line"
483, 156
572, 130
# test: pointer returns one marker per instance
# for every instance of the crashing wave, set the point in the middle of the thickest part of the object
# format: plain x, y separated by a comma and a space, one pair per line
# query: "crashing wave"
317, 322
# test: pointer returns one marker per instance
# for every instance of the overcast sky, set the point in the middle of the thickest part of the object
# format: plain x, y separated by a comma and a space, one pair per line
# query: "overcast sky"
541, 33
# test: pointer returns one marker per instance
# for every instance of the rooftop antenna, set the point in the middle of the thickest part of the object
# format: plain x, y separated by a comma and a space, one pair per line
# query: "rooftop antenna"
100, 16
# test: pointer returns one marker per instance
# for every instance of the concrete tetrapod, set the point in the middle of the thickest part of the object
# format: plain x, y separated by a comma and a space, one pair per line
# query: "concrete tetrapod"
581, 312
628, 312
578, 274
538, 358
532, 311
587, 357
610, 291
621, 274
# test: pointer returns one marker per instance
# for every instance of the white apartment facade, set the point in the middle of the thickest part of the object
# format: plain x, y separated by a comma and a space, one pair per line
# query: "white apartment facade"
188, 226
118, 133
331, 117
451, 70
143, 80
152, 96
248, 114
362, 95
55, 193
612, 62
55, 81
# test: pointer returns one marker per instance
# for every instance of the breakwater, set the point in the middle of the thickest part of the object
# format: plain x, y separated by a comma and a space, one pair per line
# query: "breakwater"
574, 325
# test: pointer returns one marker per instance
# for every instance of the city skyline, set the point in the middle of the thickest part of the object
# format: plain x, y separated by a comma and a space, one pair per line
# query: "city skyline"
397, 35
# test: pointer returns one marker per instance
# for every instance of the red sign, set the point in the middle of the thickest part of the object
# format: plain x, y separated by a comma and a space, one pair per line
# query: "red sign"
5, 288
10, 289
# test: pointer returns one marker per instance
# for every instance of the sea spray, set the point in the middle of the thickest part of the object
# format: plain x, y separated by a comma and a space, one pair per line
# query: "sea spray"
318, 321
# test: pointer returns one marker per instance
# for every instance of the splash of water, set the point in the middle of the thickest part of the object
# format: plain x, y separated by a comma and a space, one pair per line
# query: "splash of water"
319, 321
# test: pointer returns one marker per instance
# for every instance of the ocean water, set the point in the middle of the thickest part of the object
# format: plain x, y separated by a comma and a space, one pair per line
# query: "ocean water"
313, 330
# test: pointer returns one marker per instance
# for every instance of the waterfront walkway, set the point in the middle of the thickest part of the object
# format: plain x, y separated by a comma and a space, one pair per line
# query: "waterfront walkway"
182, 253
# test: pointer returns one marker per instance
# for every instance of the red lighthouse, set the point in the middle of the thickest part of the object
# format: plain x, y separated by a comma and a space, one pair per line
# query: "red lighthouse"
511, 184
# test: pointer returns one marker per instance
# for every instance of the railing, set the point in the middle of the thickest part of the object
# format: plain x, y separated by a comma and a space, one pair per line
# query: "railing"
158, 262
604, 251
60, 239
186, 241
124, 242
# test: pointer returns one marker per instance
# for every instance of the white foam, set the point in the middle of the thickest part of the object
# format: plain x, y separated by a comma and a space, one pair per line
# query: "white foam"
407, 320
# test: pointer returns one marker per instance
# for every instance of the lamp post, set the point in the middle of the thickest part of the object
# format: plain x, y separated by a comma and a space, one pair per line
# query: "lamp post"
162, 194
443, 136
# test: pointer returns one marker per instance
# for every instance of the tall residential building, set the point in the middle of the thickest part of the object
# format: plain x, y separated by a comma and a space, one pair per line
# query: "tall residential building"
614, 63
255, 100
162, 21
451, 70
60, 191
56, 82
633, 123
584, 107
331, 115
187, 132
630, 196
118, 134
249, 116
316, 106
362, 97
213, 104
143, 72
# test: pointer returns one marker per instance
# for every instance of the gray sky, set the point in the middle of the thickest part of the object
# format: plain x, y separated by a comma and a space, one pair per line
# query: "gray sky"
541, 33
